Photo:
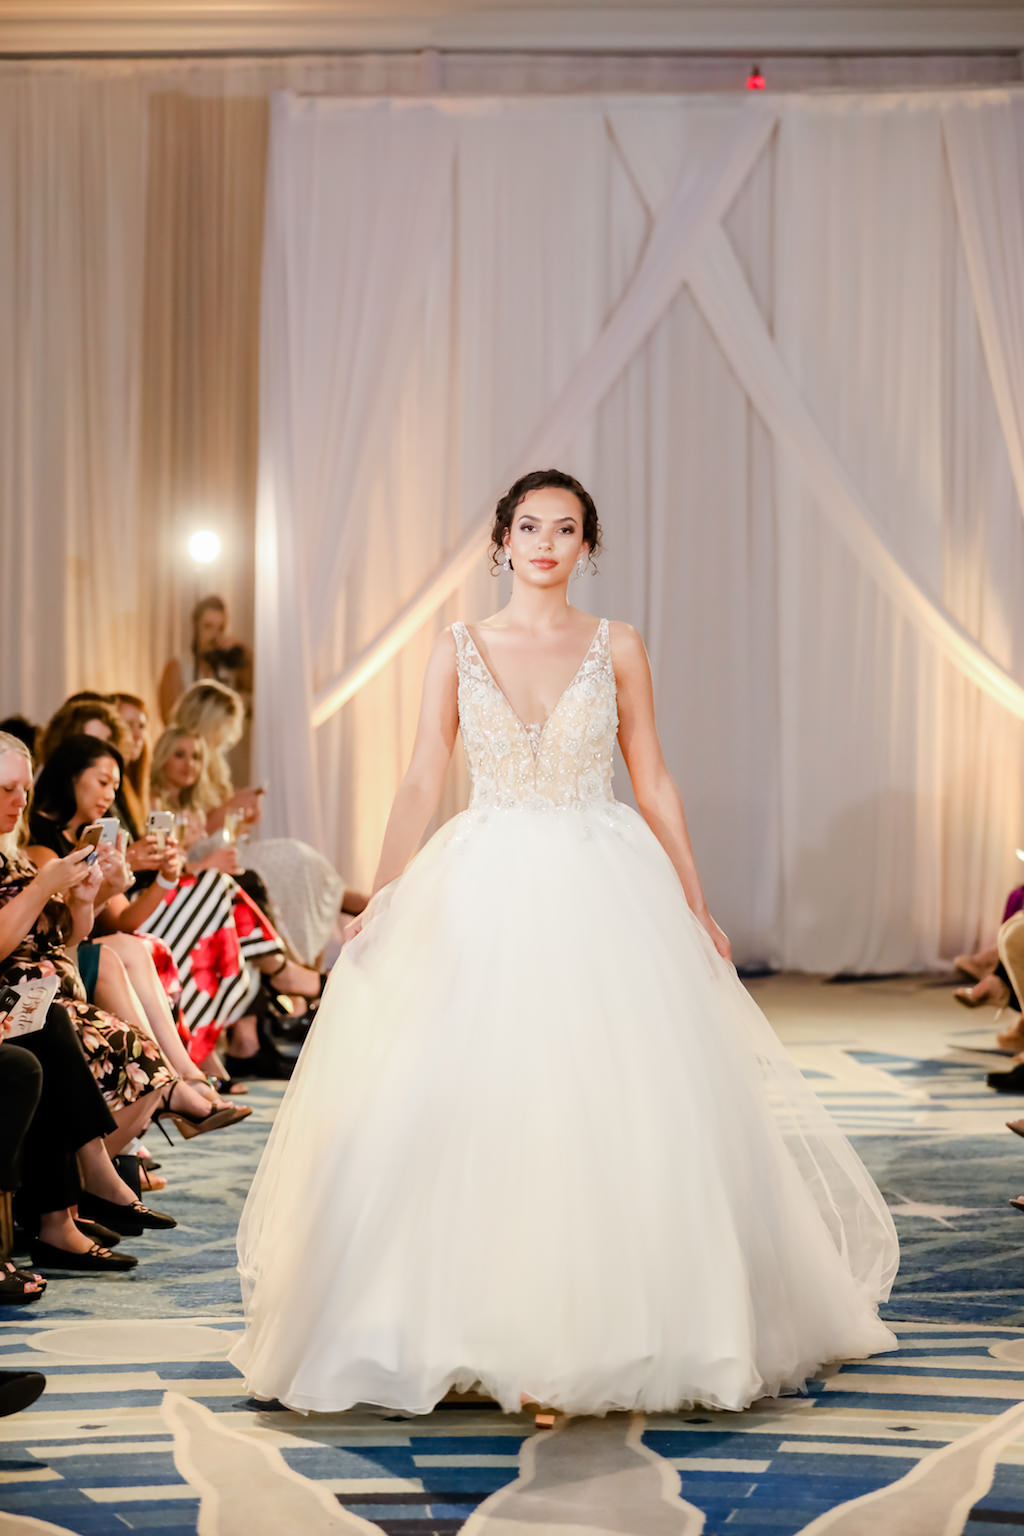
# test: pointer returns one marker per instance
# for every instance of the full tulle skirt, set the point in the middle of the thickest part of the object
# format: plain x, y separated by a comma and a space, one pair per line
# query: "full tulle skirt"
541, 1141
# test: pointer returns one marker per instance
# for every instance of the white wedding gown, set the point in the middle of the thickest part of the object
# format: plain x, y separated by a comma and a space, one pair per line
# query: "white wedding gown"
540, 1138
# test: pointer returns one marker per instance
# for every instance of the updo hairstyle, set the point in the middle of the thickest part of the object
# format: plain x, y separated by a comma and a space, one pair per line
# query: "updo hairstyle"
537, 480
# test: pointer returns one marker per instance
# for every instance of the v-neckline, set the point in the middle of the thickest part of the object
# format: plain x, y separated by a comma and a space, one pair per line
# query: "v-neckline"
534, 728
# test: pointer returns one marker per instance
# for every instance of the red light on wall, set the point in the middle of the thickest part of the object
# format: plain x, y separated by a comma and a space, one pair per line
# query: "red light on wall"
755, 80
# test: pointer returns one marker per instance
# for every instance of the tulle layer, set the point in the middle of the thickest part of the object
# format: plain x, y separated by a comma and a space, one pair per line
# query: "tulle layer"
541, 1139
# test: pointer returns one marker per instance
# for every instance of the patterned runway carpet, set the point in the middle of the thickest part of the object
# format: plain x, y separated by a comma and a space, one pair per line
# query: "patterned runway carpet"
145, 1427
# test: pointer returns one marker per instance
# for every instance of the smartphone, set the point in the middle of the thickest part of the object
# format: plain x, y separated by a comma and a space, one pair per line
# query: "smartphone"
10, 997
90, 838
111, 829
160, 824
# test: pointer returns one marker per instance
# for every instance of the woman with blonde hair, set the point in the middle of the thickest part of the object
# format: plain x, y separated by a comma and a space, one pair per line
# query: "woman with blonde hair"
305, 889
245, 948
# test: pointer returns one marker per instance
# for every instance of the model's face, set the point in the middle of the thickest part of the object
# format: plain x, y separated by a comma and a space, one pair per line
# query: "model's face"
211, 627
136, 722
15, 786
546, 537
184, 764
95, 789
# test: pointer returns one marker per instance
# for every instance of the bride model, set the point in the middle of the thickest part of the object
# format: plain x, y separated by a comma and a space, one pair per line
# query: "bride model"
540, 1139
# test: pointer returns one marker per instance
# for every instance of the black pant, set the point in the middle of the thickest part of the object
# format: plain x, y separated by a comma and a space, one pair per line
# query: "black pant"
71, 1112
21, 1083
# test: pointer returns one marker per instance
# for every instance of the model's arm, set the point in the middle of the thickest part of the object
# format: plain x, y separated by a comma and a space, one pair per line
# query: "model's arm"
656, 794
420, 790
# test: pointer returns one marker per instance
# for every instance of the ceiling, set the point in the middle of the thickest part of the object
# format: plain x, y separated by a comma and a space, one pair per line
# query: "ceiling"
651, 26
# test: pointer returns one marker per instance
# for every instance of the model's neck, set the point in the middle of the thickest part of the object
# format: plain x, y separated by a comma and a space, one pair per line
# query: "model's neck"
538, 607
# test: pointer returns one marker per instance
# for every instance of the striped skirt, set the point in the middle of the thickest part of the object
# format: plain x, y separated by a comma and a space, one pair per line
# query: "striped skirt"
214, 932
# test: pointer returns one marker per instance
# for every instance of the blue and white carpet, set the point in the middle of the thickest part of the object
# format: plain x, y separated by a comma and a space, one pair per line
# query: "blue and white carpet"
145, 1427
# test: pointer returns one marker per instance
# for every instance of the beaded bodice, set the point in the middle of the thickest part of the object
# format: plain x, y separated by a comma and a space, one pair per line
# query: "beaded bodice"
564, 761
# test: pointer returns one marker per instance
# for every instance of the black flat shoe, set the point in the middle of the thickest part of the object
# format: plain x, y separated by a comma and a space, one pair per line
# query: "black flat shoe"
129, 1220
1007, 1082
18, 1390
96, 1259
105, 1236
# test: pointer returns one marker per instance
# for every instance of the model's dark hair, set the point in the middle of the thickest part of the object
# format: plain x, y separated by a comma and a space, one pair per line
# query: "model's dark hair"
54, 795
538, 480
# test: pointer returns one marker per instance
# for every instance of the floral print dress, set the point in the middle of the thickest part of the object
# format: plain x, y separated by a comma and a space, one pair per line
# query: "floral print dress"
125, 1063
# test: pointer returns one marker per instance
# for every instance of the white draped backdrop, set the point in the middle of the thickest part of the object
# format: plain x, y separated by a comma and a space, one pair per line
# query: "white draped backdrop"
779, 337
780, 340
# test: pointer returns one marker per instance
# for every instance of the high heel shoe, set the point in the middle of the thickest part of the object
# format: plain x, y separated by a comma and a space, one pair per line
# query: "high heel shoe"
196, 1125
996, 997
281, 1002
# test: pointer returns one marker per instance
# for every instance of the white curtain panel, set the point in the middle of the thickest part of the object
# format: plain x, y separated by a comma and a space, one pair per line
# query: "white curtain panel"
776, 338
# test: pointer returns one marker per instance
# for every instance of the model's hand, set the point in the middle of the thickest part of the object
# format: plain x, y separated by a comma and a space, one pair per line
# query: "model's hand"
718, 938
352, 929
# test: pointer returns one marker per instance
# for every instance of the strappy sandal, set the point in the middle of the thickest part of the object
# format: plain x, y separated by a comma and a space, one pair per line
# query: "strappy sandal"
15, 1285
196, 1125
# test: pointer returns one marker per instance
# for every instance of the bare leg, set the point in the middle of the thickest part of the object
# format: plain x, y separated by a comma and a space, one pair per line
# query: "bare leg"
293, 978
99, 1176
144, 981
58, 1229
244, 1040
115, 992
131, 1122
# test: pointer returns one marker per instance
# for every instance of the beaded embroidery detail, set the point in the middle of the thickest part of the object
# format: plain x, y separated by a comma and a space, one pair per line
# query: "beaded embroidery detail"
565, 761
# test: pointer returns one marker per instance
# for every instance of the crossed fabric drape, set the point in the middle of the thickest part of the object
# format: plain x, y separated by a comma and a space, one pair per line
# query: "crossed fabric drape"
776, 340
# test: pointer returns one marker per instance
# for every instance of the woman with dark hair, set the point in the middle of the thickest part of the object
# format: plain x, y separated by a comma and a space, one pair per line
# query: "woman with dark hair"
78, 785
135, 783
44, 915
84, 714
540, 1138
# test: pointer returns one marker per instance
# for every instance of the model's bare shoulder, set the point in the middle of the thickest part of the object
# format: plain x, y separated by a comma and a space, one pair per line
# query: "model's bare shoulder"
626, 643
444, 651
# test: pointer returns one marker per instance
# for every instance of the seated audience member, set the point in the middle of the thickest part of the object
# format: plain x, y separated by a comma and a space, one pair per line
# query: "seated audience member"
984, 961
24, 730
305, 889
213, 654
178, 758
1010, 971
135, 782
94, 714
21, 1083
44, 915
84, 714
77, 786
59, 1162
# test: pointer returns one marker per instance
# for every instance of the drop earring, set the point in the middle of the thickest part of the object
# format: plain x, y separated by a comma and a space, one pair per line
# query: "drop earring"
579, 567
507, 564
